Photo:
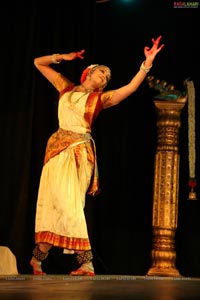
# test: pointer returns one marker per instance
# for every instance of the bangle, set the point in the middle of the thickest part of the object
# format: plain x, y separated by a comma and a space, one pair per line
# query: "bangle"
54, 60
145, 69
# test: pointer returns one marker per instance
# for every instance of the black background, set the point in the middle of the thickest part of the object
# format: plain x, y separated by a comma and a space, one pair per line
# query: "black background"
112, 33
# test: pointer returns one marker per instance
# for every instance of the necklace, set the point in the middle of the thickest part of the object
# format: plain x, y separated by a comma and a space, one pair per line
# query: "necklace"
72, 104
87, 90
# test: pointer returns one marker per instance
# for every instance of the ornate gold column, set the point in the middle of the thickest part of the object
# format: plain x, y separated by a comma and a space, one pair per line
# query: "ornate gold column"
166, 187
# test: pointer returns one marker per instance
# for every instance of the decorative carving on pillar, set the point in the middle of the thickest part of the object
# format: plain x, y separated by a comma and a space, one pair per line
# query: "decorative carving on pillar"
166, 183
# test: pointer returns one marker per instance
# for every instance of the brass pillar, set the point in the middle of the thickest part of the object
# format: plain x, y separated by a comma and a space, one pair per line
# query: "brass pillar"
166, 188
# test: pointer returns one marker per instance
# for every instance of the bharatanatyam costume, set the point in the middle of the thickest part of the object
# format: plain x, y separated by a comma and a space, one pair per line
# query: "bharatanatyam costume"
69, 172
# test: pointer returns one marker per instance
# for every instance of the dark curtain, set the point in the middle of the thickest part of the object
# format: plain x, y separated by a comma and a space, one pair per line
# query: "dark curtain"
112, 33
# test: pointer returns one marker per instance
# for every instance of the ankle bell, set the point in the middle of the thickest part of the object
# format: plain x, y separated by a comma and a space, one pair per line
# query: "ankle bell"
84, 257
38, 254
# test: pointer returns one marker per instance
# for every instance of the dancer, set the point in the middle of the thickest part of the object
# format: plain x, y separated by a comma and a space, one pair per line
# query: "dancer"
70, 166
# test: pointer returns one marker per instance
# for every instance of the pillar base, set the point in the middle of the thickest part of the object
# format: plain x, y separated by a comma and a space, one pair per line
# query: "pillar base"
164, 272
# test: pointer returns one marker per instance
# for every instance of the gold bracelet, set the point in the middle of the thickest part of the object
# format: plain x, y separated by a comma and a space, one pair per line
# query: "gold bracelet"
54, 60
145, 69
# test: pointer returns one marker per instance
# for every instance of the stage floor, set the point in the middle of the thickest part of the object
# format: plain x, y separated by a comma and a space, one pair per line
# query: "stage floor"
99, 287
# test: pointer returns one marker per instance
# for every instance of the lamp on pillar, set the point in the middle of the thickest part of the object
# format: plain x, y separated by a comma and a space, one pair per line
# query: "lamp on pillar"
169, 104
